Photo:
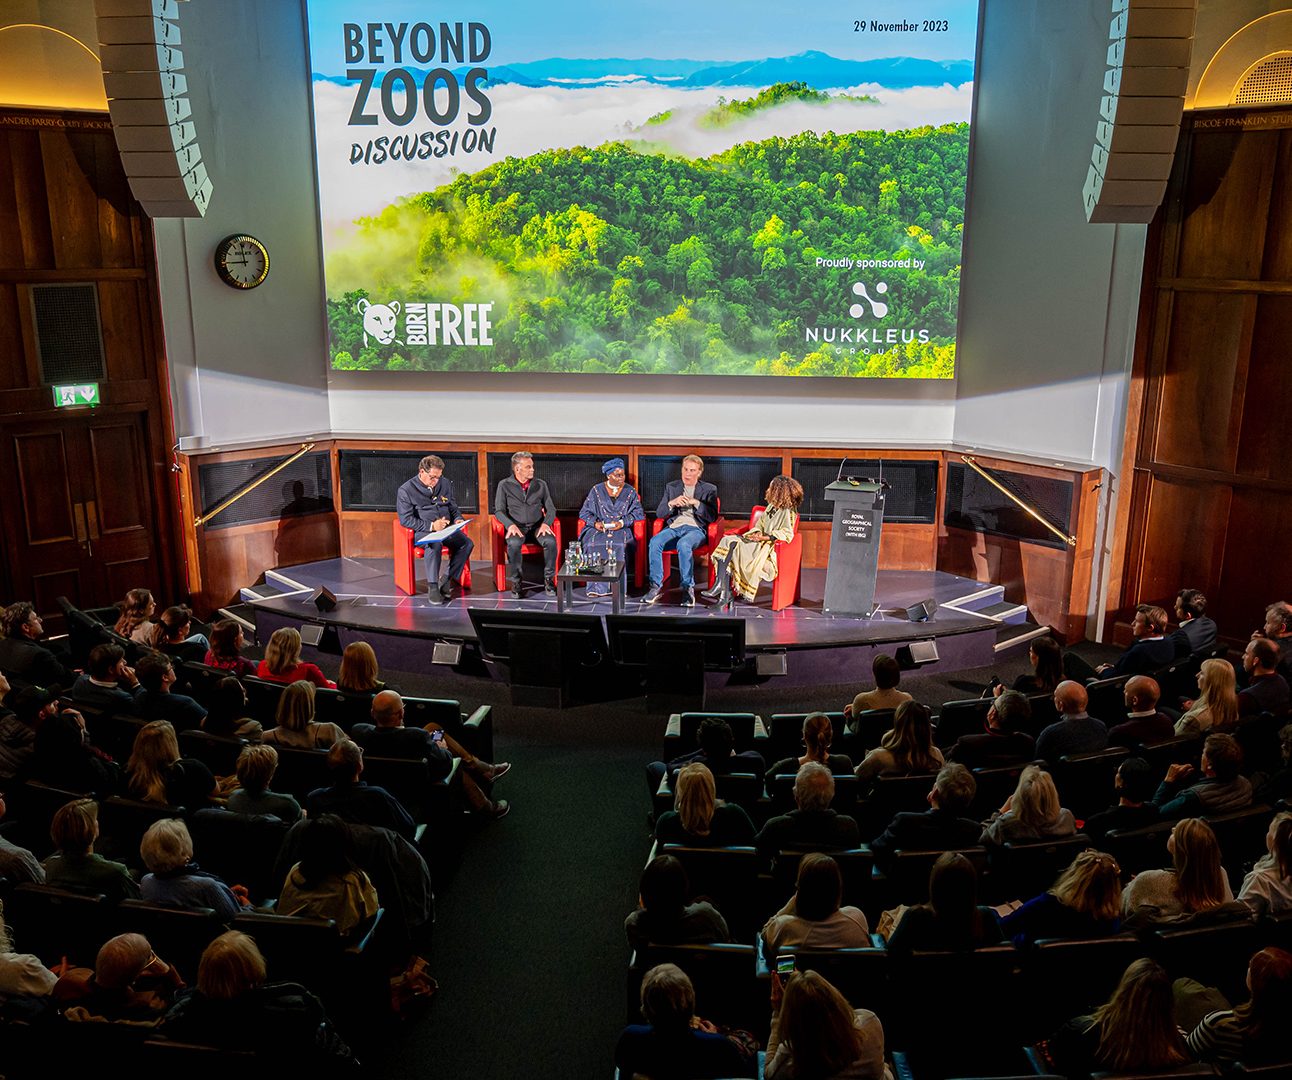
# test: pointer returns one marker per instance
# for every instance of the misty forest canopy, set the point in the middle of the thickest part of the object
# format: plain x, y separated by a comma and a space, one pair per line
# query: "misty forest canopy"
628, 258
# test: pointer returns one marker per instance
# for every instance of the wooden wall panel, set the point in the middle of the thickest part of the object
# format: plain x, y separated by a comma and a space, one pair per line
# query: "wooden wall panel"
1227, 189
1254, 573
122, 314
1263, 438
13, 367
1185, 538
36, 235
232, 558
1278, 252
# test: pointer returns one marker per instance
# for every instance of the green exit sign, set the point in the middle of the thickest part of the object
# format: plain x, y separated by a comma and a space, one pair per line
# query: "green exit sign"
77, 394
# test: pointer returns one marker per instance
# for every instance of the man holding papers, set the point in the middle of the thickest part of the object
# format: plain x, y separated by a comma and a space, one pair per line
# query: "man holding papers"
426, 505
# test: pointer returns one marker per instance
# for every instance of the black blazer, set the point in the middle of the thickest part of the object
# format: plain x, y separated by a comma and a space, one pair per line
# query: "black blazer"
706, 513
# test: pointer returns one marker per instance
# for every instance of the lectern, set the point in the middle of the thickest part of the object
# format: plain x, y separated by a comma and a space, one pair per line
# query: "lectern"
854, 547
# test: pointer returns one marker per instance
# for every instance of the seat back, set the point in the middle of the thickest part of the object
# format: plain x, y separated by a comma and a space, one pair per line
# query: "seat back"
1215, 954
956, 718
240, 848
856, 865
1107, 699
785, 735
122, 824
723, 976
177, 935
343, 708
83, 632
1070, 977
216, 752
32, 807
1043, 713
1086, 781
1021, 871
202, 680
296, 948
55, 923
926, 984
742, 725
780, 791
262, 699
890, 796
995, 785
860, 975
408, 779
1137, 850
872, 725
908, 873
1241, 833
301, 771
726, 875
1182, 749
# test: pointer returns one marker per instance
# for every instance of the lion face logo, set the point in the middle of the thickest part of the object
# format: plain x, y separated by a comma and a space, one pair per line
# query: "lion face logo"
379, 322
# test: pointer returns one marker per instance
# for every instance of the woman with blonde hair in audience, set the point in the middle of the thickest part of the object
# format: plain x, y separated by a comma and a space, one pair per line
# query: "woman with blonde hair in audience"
817, 1035
135, 620
907, 749
1268, 887
295, 723
813, 917
225, 652
282, 662
156, 772
1032, 813
1196, 883
818, 735
174, 879
1084, 902
359, 670
1134, 1032
699, 818
1216, 707
1254, 1032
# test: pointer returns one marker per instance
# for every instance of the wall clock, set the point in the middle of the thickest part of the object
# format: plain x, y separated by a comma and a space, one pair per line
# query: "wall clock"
242, 261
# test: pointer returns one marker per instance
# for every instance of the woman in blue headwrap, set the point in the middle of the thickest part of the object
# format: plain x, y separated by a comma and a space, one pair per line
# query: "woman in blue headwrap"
608, 514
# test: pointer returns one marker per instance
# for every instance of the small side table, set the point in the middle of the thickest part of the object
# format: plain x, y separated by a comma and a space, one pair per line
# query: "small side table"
566, 579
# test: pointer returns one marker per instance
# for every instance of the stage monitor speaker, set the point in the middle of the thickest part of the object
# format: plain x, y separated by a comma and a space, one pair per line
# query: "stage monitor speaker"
324, 599
771, 663
923, 611
311, 633
446, 652
917, 653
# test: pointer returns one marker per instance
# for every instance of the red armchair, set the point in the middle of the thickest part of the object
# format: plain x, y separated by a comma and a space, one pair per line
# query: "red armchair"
714, 534
786, 588
499, 533
639, 548
405, 551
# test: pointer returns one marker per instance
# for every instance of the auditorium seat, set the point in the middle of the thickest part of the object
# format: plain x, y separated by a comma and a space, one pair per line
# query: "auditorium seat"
240, 848
680, 733
962, 717
1177, 1072
1043, 713
1241, 834
122, 824
1086, 781
729, 877
1184, 749
83, 631
473, 730
202, 679
856, 865
1107, 699
1021, 871
711, 537
405, 551
727, 990
785, 735
498, 546
263, 696
1065, 977
638, 568
113, 733
995, 785
158, 1056
56, 923
177, 935
859, 974
871, 725
216, 752
1215, 954
787, 587
780, 792
31, 807
906, 880
1137, 850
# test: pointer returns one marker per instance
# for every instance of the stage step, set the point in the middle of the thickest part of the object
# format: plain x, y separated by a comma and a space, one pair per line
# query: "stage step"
267, 589
1012, 614
1015, 636
978, 601
243, 615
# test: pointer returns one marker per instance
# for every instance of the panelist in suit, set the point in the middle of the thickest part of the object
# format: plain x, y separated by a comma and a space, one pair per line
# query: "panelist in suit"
426, 504
524, 506
688, 507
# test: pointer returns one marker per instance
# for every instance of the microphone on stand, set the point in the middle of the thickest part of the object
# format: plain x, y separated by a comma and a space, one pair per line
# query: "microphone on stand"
841, 465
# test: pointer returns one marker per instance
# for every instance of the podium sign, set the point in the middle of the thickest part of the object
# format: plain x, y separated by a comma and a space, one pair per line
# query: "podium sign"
854, 547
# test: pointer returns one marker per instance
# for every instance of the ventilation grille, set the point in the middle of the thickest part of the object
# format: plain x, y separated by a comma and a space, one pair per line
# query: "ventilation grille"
304, 487
741, 482
371, 478
912, 486
68, 335
1268, 83
973, 503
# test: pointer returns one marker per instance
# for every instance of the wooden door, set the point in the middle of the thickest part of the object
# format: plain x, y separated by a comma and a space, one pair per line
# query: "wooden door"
81, 521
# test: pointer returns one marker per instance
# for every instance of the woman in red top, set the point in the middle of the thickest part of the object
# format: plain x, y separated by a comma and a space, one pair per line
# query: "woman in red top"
282, 662
225, 652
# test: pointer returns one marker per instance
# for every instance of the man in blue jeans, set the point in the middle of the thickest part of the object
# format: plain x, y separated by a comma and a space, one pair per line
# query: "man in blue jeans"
687, 508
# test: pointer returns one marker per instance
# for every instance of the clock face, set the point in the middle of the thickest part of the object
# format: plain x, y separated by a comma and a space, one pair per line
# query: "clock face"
241, 261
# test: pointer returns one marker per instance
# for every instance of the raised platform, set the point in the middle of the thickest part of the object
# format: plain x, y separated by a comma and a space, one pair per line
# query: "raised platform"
817, 647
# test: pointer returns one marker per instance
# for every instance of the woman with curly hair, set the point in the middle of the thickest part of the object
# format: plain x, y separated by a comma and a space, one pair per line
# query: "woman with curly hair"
745, 559
135, 621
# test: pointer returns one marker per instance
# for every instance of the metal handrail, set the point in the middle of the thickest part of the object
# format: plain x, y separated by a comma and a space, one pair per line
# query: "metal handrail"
1071, 541
204, 518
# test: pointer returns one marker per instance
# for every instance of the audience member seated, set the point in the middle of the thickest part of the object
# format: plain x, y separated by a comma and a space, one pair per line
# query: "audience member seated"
1076, 731
887, 673
282, 662
1135, 782
1194, 885
1032, 813
157, 674
812, 918
674, 1042
355, 800
173, 636
1002, 741
21, 714
130, 984
233, 1007
1275, 786
941, 827
1266, 689
1046, 657
156, 772
816, 1033
952, 920
1267, 888
812, 825
1216, 707
1255, 1032
23, 975
1151, 651
135, 621
818, 734
1144, 724
388, 737
1134, 1032
717, 751
1197, 632
256, 767
327, 883
664, 916
226, 712
1278, 629
225, 652
1215, 789
699, 818
107, 683
65, 758
907, 749
1085, 902
23, 657
75, 865
359, 670
18, 865
295, 725
174, 879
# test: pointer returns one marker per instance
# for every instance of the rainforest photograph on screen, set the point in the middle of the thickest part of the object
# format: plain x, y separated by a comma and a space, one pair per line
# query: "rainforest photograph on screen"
683, 189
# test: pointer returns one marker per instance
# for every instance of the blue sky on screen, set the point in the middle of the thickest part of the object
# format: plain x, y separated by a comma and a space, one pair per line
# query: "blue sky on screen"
671, 29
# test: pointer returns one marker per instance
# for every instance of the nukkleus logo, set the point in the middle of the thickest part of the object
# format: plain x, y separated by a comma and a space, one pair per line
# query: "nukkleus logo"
878, 308
380, 322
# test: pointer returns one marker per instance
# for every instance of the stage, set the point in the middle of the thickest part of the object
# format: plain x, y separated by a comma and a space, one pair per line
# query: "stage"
797, 646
